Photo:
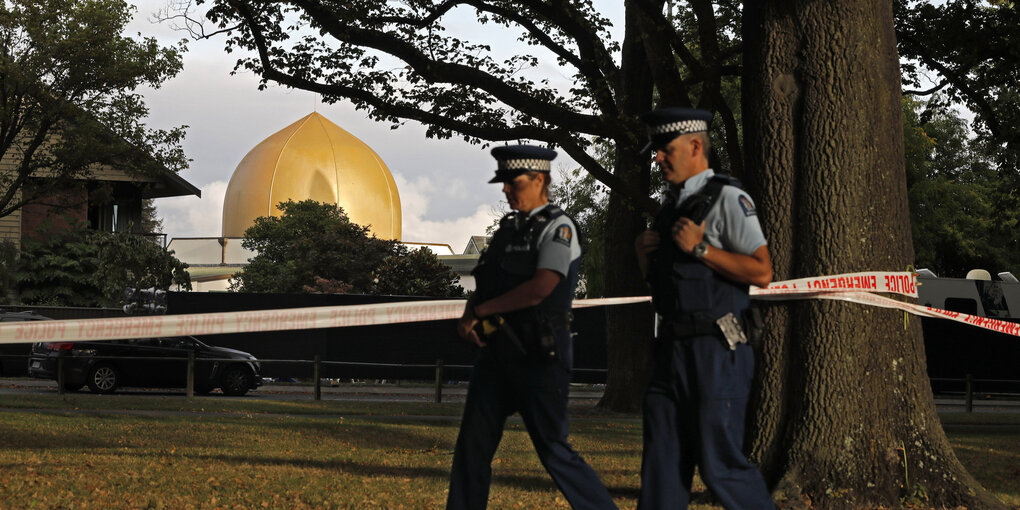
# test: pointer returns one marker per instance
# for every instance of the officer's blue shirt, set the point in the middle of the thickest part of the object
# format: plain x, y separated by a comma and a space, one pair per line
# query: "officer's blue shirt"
732, 223
558, 246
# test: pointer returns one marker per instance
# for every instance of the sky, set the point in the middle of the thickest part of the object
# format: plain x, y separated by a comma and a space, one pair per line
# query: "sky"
443, 186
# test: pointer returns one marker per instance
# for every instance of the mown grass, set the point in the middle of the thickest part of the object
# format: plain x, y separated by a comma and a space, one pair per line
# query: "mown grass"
247, 454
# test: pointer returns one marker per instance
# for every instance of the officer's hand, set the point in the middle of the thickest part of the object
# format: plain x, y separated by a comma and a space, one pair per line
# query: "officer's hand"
466, 330
687, 234
646, 242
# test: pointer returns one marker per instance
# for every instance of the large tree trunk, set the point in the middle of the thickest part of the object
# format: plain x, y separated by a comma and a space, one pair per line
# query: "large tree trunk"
628, 328
845, 414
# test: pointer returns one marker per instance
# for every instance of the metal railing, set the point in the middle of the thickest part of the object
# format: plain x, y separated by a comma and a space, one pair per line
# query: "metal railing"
969, 383
317, 365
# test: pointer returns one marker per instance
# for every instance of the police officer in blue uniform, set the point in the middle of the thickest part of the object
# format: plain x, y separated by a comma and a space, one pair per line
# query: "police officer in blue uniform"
706, 246
520, 317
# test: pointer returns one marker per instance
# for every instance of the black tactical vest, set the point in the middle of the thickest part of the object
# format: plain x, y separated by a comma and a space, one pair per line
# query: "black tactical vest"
684, 288
512, 259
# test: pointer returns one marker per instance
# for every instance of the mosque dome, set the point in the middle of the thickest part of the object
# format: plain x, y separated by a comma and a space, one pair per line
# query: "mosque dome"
315, 159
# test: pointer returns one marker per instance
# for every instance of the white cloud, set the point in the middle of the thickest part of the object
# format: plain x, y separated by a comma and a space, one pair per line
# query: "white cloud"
192, 216
415, 201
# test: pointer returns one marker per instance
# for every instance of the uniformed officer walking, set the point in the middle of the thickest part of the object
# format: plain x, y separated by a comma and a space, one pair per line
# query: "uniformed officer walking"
705, 247
525, 283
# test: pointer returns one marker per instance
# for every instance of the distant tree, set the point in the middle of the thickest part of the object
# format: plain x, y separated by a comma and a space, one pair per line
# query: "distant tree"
152, 223
416, 273
67, 96
130, 260
585, 200
314, 247
966, 52
324, 286
81, 267
310, 239
962, 214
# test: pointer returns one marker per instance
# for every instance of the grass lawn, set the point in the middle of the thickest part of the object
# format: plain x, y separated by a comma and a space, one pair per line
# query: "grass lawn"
158, 452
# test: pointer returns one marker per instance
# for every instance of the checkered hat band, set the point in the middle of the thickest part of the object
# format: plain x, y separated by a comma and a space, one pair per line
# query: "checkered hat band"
681, 127
537, 165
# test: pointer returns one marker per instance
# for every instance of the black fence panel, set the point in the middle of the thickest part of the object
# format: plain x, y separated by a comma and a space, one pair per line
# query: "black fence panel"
955, 350
417, 343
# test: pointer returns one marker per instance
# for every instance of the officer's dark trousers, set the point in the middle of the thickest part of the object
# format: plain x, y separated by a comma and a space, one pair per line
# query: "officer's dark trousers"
694, 415
538, 391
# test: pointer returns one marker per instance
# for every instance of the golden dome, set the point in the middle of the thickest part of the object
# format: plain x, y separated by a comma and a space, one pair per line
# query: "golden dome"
313, 158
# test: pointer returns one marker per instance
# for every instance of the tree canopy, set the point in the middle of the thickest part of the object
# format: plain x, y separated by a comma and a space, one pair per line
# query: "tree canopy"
67, 96
966, 52
963, 212
83, 267
314, 247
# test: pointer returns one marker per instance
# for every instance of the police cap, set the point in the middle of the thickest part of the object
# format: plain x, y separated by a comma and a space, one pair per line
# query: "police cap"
665, 124
514, 160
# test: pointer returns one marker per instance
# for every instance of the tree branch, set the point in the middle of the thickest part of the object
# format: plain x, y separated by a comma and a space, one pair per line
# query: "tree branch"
435, 71
959, 81
657, 37
383, 106
928, 92
639, 197
589, 46
588, 63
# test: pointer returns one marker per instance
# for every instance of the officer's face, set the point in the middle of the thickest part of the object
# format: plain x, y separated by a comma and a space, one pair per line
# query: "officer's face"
679, 159
524, 193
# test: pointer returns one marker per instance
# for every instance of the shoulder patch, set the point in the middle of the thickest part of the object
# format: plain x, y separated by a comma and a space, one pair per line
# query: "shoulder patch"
747, 206
563, 235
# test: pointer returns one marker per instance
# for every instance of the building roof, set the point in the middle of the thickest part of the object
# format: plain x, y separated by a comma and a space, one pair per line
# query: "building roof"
315, 159
476, 244
460, 264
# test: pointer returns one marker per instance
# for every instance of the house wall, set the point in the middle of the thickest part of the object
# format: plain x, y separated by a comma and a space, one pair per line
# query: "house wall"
10, 228
73, 208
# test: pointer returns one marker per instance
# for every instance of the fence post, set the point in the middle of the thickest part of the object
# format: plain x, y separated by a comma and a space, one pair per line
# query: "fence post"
439, 381
317, 376
60, 371
190, 391
969, 405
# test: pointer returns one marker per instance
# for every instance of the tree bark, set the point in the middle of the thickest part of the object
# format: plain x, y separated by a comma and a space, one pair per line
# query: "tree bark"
845, 416
628, 328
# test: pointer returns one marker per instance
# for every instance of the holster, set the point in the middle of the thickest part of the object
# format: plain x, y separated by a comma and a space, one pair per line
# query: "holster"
534, 337
497, 332
754, 326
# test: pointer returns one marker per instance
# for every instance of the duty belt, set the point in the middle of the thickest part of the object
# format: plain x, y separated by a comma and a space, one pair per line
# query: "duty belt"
559, 321
687, 326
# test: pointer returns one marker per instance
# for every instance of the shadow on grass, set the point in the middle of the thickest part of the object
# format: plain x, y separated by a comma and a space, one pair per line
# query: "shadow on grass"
340, 465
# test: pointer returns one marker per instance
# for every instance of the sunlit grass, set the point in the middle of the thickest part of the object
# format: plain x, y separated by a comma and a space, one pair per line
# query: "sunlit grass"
258, 454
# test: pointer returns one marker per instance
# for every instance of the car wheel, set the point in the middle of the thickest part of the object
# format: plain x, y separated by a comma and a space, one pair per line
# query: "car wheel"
235, 381
103, 379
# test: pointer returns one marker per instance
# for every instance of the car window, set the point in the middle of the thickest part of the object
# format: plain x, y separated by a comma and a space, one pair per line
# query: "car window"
175, 343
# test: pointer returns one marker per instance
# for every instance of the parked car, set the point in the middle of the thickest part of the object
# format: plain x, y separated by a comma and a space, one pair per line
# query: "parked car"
12, 356
147, 363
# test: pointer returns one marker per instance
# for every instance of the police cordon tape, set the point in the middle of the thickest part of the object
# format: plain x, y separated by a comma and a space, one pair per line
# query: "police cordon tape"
153, 326
860, 288
854, 287
902, 283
